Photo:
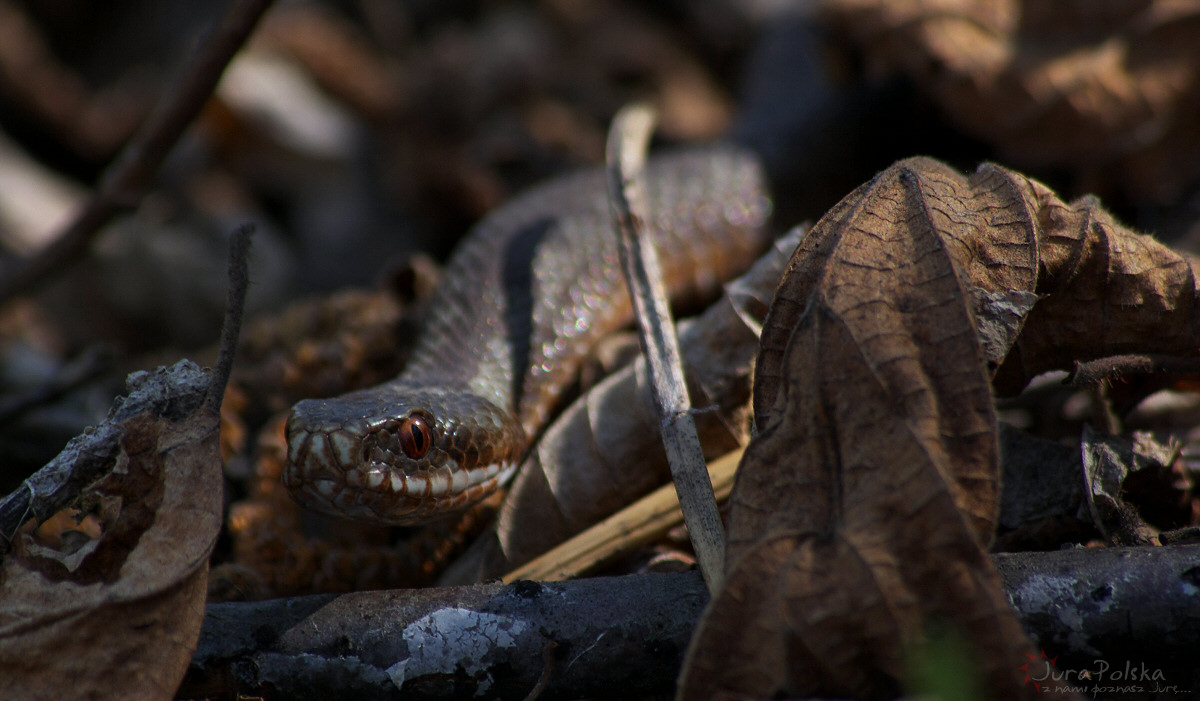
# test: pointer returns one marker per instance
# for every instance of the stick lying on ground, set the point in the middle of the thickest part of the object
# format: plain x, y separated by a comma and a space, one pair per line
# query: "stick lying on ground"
1117, 605
627, 141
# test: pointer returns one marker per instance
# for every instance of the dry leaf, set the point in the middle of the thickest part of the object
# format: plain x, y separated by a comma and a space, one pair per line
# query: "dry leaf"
862, 510
1110, 90
1107, 463
1103, 290
118, 617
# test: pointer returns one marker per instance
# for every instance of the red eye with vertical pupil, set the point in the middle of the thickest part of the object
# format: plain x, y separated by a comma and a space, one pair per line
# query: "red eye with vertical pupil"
416, 436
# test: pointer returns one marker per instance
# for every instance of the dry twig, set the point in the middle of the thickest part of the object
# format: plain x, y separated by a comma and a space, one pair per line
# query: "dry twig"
125, 181
1118, 367
627, 141
640, 523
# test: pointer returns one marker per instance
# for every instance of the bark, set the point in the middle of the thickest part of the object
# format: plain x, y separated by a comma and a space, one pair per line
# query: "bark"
623, 637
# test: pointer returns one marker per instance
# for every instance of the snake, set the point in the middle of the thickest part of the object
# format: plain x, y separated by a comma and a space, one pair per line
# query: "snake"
523, 299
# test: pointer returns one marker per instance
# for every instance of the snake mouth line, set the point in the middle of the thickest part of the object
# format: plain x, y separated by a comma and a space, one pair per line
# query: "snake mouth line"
386, 495
435, 483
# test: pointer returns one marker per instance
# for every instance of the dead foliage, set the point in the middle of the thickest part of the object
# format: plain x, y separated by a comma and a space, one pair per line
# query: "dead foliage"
861, 512
1108, 91
124, 589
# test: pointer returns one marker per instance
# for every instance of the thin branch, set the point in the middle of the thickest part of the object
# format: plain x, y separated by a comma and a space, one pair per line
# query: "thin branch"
125, 181
1119, 366
235, 309
626, 156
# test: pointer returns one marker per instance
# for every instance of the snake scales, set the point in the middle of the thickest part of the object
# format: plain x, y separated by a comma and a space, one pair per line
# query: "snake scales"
524, 298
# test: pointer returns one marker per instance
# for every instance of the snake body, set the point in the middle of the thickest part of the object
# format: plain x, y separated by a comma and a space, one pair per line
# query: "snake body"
523, 299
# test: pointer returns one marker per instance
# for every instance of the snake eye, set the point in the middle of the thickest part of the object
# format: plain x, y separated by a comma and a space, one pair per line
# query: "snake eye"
415, 436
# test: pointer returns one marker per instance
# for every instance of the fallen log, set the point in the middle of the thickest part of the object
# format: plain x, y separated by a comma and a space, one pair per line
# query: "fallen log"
1127, 616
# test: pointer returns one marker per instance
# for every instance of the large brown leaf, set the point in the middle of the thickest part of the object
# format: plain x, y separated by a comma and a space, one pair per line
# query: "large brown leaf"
862, 510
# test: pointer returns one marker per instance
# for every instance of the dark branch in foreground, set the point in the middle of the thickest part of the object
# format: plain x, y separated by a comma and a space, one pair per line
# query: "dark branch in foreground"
124, 183
624, 637
235, 311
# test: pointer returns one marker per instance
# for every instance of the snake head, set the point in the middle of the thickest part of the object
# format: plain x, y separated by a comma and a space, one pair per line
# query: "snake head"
398, 454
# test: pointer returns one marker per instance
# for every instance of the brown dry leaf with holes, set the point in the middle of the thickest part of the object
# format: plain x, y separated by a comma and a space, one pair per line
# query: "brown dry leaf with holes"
862, 510
1109, 90
118, 617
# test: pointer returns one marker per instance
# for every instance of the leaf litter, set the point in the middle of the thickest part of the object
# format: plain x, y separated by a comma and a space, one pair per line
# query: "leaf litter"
863, 509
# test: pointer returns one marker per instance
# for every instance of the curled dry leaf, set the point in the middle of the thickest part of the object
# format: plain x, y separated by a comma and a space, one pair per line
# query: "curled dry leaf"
605, 451
132, 599
1109, 90
1108, 463
1103, 290
862, 510
1102, 488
